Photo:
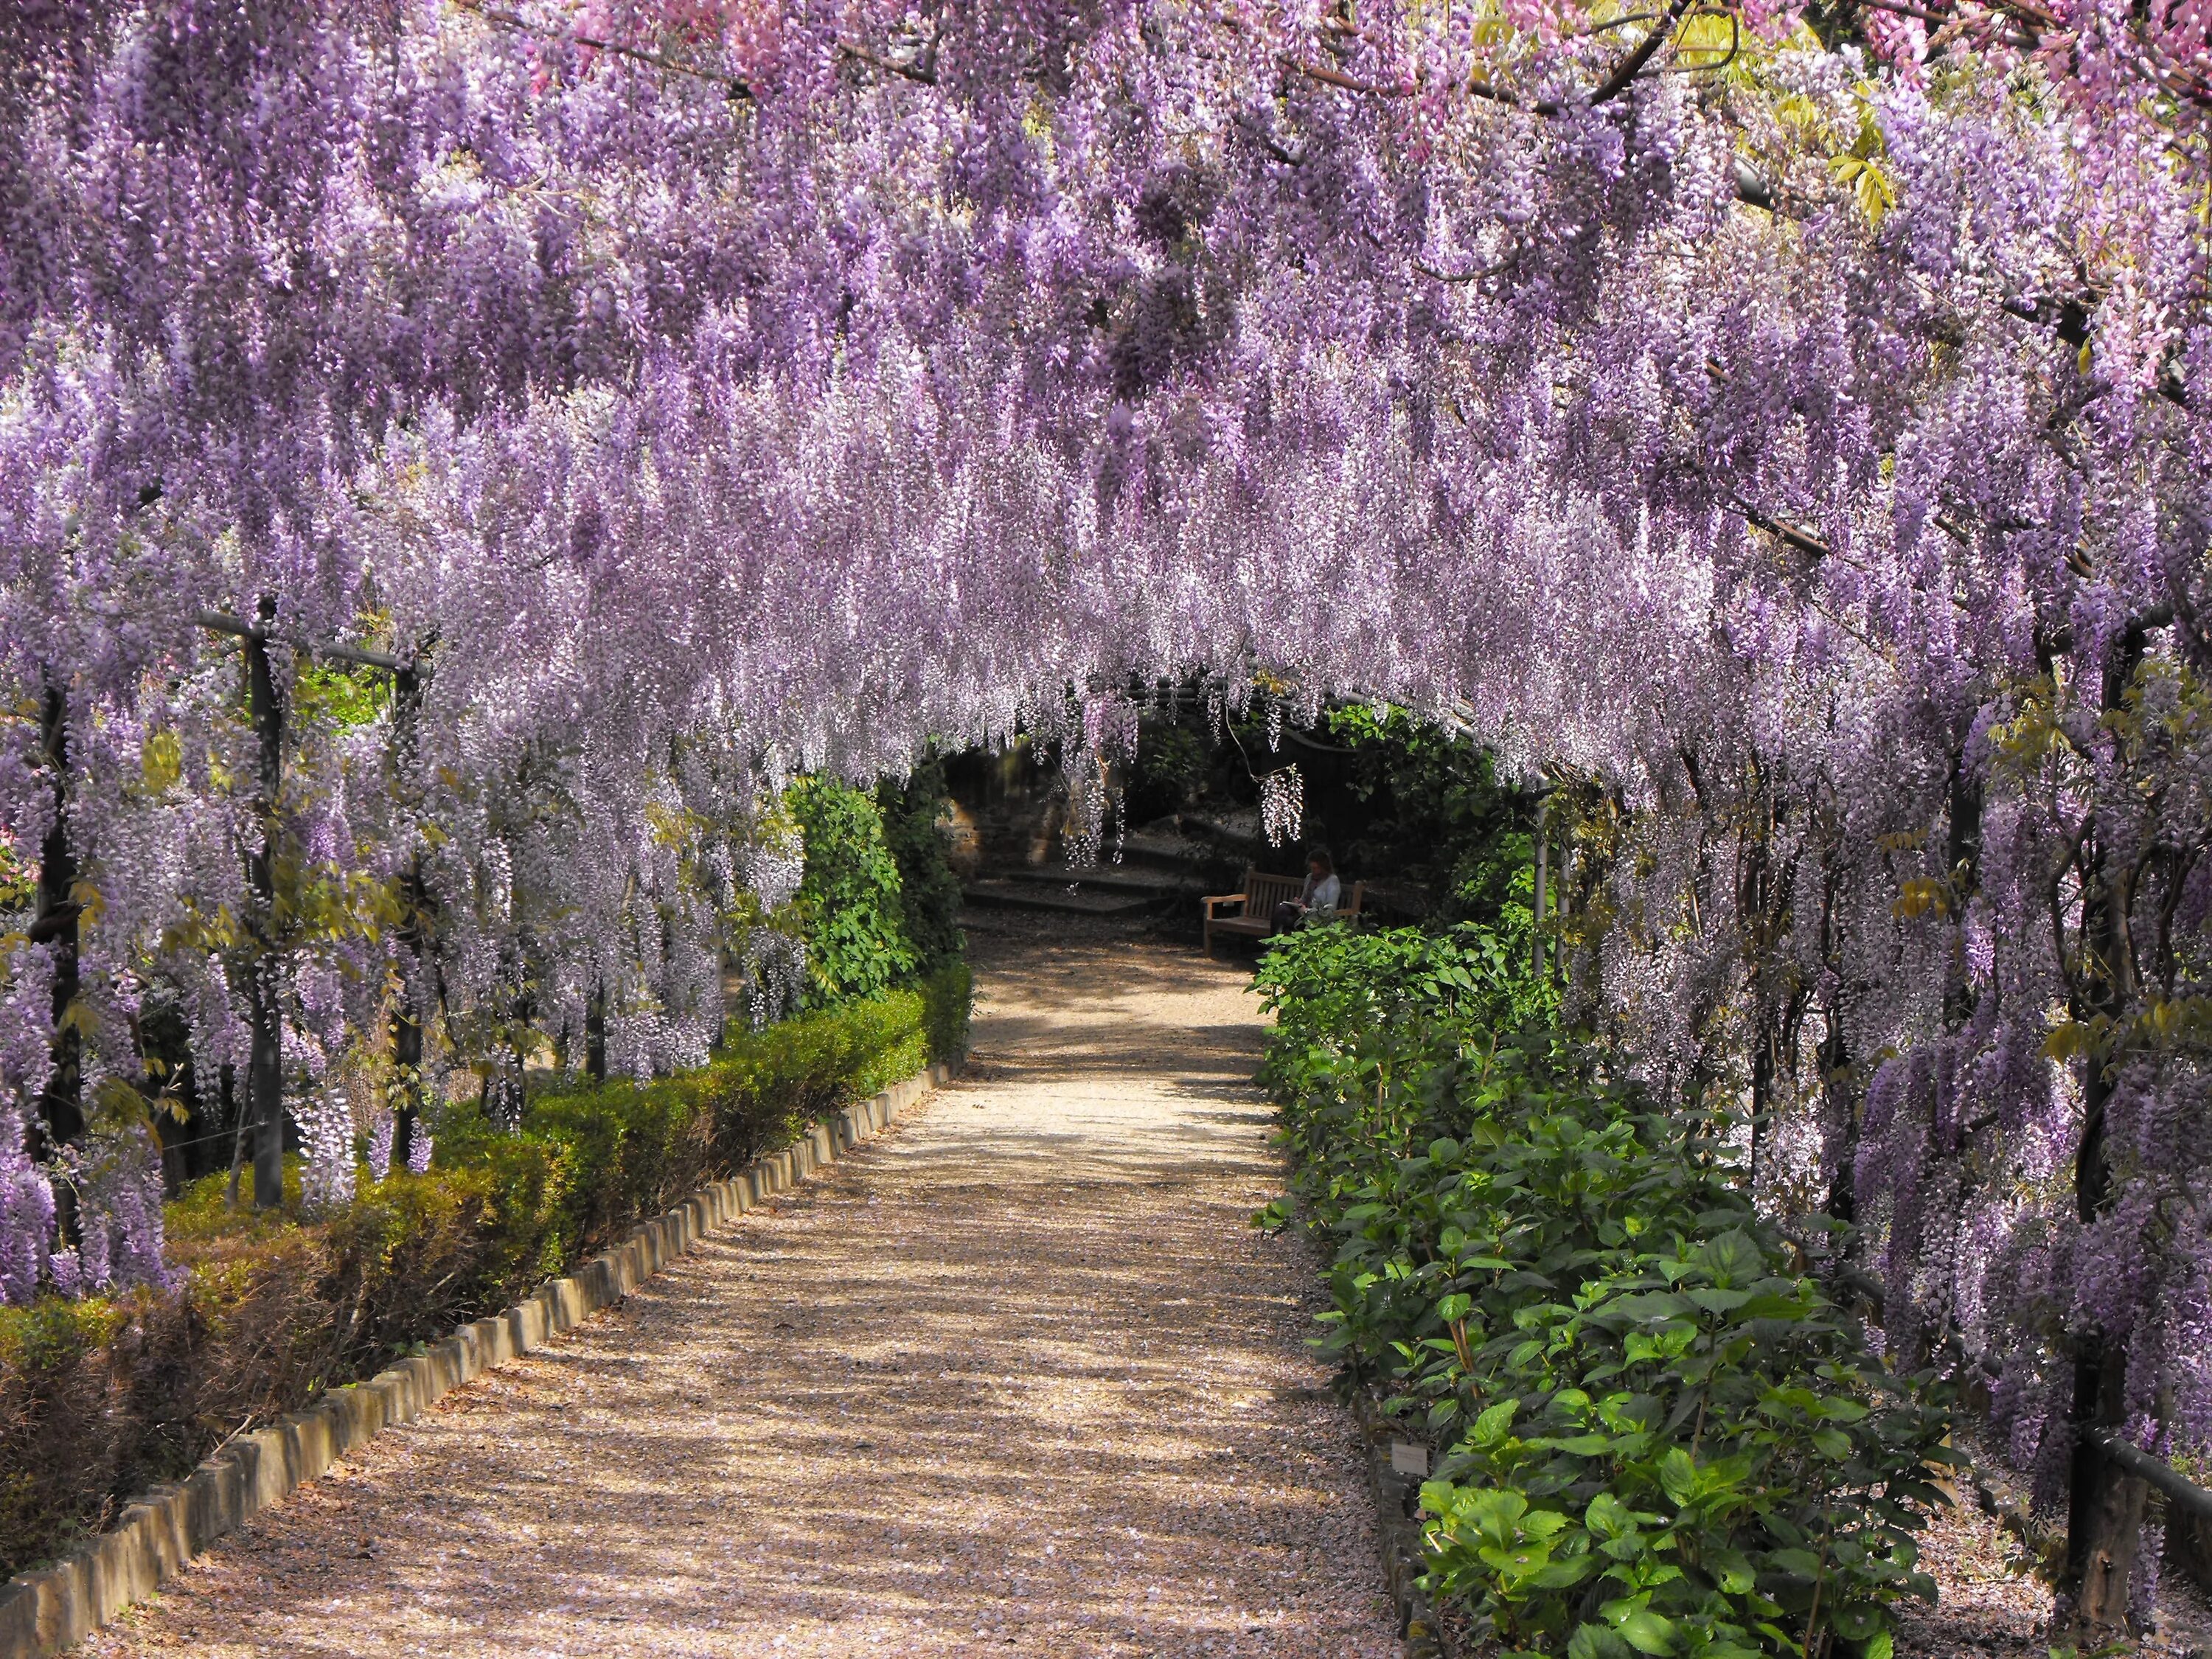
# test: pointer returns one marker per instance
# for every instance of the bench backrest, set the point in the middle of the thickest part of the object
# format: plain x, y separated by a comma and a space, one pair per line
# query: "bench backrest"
1263, 893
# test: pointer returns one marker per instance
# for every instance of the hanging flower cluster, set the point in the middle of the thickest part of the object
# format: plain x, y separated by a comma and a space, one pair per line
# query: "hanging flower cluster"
1282, 805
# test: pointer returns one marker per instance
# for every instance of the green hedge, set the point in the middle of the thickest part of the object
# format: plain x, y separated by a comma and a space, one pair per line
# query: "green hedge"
949, 998
1657, 1435
929, 892
99, 1399
851, 901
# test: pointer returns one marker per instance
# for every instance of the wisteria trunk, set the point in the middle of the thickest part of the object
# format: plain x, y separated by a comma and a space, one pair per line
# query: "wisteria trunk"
2103, 1529
407, 1074
61, 1104
264, 1070
2105, 1504
595, 1038
414, 931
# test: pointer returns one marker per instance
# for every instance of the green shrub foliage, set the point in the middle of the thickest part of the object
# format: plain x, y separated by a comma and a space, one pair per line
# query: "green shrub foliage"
929, 893
99, 1399
949, 997
1439, 815
849, 902
1657, 1435
1169, 773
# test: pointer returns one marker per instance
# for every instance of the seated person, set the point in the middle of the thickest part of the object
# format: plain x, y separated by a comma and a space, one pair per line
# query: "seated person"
1316, 898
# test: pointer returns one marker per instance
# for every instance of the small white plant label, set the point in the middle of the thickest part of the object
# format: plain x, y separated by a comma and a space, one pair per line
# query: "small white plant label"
1407, 1458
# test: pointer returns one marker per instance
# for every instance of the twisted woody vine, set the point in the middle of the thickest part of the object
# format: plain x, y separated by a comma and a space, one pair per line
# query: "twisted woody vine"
460, 461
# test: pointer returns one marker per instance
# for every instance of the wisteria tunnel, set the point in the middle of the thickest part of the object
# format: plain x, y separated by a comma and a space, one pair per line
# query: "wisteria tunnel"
1506, 692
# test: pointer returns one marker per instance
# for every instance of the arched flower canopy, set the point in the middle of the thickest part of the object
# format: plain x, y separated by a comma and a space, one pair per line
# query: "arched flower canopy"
1786, 428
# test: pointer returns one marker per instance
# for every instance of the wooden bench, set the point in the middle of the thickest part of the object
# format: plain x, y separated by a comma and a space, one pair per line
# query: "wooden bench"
1257, 902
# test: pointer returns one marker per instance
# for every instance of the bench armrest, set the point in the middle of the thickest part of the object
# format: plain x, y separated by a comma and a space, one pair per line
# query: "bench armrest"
1212, 899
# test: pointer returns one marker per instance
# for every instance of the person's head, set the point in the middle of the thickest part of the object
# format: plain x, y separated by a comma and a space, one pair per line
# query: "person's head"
1318, 861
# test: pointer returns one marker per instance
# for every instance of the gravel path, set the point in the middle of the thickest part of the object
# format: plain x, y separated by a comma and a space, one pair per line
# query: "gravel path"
1015, 1378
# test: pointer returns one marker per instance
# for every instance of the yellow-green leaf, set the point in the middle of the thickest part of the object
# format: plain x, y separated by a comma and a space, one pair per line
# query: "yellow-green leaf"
161, 761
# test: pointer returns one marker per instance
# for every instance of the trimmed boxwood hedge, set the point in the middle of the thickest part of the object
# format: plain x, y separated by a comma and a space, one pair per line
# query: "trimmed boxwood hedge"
101, 1398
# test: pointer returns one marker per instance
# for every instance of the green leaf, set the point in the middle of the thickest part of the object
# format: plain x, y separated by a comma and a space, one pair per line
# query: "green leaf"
1720, 1302
1733, 1258
1647, 1632
1770, 1305
1542, 1523
1857, 1622
1608, 1517
1562, 1574
1648, 1307
1439, 1497
1491, 1427
1732, 1569
1596, 1642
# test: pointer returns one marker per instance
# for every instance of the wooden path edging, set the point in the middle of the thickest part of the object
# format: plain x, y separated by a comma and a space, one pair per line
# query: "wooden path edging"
1396, 1495
45, 1612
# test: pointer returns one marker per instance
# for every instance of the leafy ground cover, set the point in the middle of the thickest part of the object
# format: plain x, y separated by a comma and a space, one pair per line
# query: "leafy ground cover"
101, 1397
1655, 1434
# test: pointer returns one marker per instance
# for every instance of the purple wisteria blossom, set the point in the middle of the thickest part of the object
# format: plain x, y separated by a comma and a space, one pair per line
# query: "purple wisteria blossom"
1797, 455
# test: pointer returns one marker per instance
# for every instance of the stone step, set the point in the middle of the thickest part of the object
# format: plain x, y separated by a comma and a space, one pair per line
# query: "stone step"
1036, 896
1106, 878
1160, 850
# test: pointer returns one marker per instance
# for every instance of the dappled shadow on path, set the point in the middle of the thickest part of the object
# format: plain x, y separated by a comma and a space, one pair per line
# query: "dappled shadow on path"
1018, 1378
